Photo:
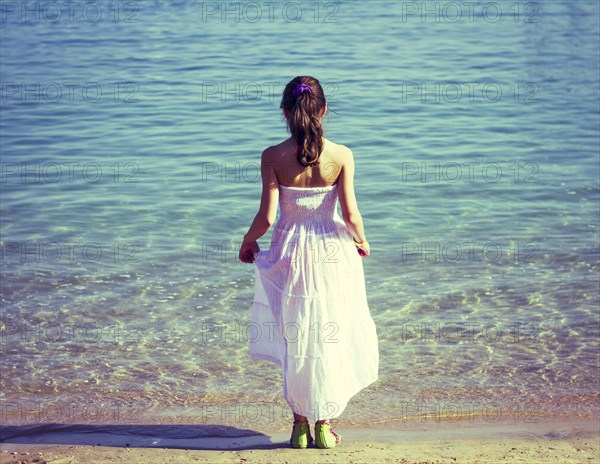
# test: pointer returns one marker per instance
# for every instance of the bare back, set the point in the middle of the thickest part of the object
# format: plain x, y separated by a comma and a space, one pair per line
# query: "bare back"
291, 173
281, 167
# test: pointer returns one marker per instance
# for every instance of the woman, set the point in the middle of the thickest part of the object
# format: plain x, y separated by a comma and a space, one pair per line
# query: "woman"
310, 313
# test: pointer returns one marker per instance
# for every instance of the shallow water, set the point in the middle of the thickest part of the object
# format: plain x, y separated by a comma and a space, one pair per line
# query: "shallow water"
122, 296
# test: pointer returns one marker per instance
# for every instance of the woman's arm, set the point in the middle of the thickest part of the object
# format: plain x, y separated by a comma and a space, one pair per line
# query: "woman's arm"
347, 197
267, 211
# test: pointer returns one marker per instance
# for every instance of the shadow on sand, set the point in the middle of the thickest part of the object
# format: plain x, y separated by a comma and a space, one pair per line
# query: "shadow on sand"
179, 436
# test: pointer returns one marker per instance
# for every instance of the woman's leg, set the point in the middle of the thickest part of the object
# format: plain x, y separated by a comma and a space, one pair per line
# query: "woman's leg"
298, 418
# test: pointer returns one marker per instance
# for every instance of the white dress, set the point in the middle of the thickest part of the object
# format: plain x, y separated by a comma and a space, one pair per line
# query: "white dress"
310, 313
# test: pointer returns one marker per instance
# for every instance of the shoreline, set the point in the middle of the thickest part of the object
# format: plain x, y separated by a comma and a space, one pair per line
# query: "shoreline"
544, 442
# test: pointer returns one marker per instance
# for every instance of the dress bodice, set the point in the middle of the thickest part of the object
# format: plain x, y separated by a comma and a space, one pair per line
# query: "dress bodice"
314, 204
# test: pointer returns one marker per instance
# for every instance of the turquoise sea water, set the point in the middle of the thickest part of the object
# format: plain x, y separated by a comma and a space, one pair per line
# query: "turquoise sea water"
130, 140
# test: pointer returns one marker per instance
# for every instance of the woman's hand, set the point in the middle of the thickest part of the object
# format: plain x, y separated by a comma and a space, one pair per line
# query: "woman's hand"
248, 250
364, 249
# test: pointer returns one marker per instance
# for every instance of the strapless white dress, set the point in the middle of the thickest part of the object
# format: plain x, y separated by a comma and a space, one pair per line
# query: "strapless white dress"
310, 313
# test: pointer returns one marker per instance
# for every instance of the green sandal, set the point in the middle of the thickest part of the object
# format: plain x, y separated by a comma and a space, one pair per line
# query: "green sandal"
301, 437
324, 436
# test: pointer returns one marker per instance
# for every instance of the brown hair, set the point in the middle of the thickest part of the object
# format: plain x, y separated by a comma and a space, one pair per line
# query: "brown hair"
303, 118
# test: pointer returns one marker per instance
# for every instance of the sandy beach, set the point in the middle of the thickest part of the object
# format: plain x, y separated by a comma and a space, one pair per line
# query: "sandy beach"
556, 442
424, 452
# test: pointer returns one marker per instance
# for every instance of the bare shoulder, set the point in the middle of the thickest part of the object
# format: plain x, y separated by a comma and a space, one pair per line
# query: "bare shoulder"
338, 147
341, 154
269, 154
275, 151
269, 151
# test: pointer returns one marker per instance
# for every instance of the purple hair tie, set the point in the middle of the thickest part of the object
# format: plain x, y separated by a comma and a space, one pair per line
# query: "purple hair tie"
301, 88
